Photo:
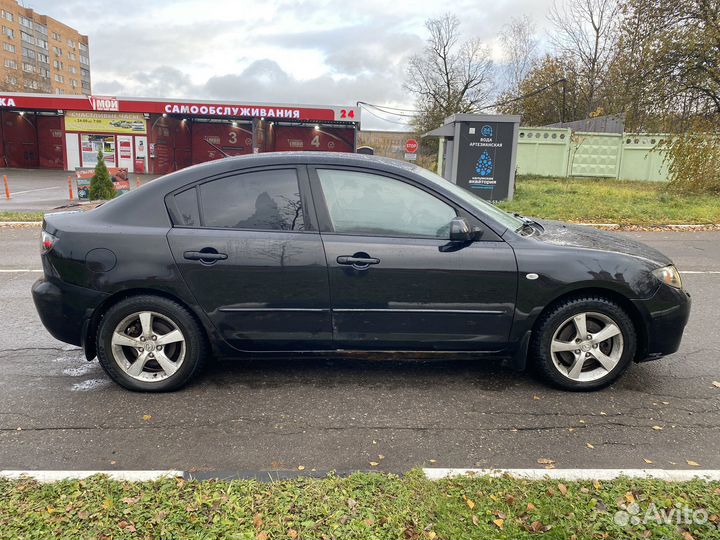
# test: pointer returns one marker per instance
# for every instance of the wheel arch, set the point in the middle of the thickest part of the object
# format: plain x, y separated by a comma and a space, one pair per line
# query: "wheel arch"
91, 324
609, 294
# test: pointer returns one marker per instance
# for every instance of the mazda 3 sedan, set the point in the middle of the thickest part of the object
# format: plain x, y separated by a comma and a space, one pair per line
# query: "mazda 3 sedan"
331, 254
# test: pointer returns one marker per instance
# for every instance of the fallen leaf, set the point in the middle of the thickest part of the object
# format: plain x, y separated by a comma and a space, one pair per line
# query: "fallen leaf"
629, 497
657, 428
123, 524
510, 499
130, 500
301, 467
648, 461
262, 535
381, 457
500, 523
536, 526
431, 535
257, 521
692, 463
589, 445
351, 503
687, 536
536, 398
581, 421
665, 402
602, 413
374, 463
597, 485
369, 522
146, 417
563, 489
433, 460
83, 515
475, 520
530, 507
571, 429
470, 503
545, 461
113, 462
584, 490
551, 466
292, 533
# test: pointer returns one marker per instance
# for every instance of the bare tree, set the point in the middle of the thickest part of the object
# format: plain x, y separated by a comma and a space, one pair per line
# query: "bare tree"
586, 32
520, 48
449, 76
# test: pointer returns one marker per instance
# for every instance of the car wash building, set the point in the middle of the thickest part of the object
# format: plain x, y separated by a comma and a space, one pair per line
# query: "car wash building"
158, 136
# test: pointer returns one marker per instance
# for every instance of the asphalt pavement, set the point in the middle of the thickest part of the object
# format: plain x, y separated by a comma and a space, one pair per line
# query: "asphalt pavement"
58, 411
38, 190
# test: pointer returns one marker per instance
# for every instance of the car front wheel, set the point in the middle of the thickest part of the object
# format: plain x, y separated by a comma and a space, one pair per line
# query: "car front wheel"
584, 343
149, 343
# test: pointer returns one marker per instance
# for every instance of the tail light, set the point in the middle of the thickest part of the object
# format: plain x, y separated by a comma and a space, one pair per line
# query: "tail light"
48, 241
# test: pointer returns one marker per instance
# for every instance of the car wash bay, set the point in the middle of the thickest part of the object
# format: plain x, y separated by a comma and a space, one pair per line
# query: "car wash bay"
154, 143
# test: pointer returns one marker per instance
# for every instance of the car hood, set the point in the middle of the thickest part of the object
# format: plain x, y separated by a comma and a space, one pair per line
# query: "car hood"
567, 234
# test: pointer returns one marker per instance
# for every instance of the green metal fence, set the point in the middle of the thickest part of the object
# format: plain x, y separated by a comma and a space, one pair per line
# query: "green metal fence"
562, 152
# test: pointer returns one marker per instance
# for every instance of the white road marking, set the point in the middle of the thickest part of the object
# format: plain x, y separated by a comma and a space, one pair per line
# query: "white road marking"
33, 190
700, 271
56, 476
18, 270
683, 475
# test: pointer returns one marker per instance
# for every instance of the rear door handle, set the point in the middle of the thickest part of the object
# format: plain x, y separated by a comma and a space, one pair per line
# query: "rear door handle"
206, 255
357, 262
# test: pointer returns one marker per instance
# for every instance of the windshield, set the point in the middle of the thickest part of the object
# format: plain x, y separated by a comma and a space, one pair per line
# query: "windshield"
502, 217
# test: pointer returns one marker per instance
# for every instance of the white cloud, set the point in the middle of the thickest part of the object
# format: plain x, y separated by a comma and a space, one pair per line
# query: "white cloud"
310, 51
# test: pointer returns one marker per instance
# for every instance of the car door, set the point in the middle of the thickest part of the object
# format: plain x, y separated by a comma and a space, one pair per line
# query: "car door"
391, 284
248, 249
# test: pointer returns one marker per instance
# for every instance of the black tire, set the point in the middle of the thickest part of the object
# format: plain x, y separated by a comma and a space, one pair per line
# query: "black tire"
195, 350
556, 318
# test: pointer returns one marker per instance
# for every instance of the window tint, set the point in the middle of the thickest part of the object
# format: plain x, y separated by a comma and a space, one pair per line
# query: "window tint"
187, 206
256, 200
362, 203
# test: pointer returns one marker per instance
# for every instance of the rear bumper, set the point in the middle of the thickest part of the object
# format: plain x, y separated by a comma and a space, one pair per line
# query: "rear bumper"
64, 308
666, 313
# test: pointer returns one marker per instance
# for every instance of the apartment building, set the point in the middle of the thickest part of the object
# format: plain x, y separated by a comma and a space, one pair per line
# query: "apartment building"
41, 54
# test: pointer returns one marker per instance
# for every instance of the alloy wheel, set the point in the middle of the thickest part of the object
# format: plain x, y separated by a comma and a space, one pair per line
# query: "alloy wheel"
148, 346
587, 346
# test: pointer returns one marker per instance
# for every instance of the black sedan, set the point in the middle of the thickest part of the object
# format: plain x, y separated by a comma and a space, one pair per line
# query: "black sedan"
333, 254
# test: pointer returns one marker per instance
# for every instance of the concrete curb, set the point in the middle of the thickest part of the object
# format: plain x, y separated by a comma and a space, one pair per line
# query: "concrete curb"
670, 475
56, 476
433, 473
20, 223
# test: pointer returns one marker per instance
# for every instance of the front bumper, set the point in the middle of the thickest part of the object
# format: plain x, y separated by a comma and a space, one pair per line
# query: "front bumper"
666, 313
64, 308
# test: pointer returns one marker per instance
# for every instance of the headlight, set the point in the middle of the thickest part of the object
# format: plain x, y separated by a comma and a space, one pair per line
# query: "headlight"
669, 275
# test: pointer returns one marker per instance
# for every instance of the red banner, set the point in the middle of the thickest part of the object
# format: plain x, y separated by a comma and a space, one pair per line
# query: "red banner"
181, 107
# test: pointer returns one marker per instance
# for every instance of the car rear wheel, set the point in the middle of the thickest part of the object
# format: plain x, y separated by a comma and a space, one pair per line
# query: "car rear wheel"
149, 343
584, 343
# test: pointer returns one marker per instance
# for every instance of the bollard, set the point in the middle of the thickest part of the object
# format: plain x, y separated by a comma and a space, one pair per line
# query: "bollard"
70, 188
137, 181
7, 188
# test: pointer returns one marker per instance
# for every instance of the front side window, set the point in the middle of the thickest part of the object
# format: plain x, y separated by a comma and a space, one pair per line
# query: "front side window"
364, 203
264, 200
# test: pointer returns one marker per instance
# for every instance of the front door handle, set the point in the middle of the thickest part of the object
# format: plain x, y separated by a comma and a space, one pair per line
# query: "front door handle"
205, 255
359, 261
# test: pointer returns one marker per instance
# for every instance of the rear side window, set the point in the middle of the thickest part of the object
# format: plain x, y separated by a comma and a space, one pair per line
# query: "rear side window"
187, 206
266, 200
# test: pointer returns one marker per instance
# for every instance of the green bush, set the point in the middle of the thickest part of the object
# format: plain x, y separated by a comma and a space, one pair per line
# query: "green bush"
101, 186
694, 163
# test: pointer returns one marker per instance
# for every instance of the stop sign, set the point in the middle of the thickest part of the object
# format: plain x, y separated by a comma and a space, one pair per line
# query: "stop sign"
411, 146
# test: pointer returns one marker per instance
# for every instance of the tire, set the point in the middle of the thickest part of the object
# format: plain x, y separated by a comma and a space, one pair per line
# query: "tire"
554, 347
159, 352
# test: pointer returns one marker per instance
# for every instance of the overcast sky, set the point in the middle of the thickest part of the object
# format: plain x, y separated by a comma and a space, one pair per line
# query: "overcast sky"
302, 51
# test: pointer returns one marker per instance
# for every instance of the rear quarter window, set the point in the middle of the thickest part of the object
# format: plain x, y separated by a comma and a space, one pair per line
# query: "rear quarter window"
187, 206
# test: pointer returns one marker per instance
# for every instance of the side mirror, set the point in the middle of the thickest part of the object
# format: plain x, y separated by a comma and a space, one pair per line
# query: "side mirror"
460, 231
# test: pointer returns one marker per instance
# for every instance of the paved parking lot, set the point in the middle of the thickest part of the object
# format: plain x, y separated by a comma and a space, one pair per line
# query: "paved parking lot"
42, 189
58, 411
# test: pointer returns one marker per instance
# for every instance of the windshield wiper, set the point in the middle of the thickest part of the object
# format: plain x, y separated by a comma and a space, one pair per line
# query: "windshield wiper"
528, 224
